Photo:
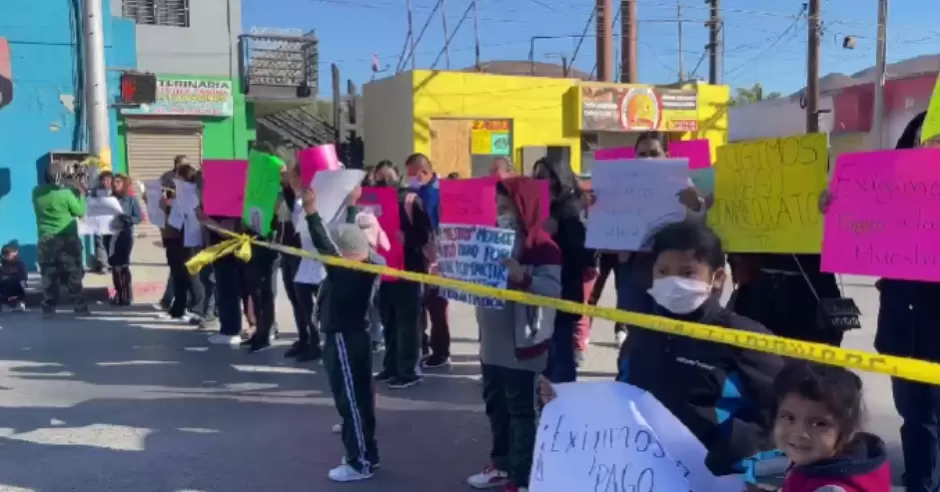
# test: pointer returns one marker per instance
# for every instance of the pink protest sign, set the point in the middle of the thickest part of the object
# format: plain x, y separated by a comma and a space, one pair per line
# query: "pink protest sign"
383, 203
468, 201
223, 188
614, 154
698, 152
884, 218
315, 159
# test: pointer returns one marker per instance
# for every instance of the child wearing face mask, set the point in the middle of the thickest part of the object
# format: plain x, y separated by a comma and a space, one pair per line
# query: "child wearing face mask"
819, 414
726, 396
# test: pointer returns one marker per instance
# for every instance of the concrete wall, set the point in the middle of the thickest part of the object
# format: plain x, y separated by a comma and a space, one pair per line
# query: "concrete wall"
775, 118
387, 127
207, 47
45, 113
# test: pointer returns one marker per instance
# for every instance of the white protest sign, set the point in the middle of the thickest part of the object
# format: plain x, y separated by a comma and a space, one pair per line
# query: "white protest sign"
332, 189
634, 198
610, 436
108, 206
153, 194
474, 254
98, 225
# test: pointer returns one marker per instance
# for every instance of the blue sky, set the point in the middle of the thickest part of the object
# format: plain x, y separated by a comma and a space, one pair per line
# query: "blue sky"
764, 42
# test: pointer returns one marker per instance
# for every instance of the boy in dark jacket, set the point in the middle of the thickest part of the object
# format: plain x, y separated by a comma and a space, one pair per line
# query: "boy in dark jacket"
346, 298
12, 278
726, 397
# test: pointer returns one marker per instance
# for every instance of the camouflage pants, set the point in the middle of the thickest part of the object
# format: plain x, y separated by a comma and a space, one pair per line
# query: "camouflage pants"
60, 262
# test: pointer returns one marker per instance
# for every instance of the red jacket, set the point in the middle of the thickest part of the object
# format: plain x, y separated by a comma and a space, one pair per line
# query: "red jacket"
864, 468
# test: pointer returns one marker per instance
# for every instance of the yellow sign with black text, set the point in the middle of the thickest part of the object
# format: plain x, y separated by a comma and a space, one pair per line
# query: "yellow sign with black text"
767, 194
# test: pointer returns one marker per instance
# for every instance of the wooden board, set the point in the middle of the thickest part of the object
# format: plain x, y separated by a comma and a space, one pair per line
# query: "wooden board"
450, 146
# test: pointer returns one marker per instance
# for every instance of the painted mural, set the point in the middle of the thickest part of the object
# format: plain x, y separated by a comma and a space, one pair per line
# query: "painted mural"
6, 74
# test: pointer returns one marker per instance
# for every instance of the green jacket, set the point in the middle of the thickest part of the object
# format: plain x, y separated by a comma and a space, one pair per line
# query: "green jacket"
56, 210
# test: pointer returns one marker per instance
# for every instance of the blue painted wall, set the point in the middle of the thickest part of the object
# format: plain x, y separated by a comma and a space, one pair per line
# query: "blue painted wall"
45, 114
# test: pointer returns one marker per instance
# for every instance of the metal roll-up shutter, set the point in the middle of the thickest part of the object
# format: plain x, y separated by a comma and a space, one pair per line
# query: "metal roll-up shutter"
150, 153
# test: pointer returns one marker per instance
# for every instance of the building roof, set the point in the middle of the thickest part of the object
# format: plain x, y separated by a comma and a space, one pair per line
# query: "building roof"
526, 68
918, 65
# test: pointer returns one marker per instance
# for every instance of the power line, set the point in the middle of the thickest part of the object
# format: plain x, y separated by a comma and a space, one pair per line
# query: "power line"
776, 41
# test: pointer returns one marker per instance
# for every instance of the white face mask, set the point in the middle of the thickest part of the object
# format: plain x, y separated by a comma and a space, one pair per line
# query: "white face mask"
414, 182
680, 295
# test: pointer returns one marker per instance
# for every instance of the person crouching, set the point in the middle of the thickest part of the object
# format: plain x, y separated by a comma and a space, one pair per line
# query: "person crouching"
346, 298
514, 339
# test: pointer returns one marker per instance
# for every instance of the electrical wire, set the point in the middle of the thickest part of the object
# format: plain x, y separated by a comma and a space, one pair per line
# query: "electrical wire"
775, 42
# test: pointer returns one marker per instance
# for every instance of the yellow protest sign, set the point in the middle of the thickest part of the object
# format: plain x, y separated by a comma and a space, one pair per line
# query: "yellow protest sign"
767, 194
931, 126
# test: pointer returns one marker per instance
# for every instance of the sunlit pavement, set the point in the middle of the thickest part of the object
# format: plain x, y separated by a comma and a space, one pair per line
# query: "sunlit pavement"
123, 401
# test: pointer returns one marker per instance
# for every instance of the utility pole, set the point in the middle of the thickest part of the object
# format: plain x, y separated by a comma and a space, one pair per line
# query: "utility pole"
96, 90
877, 127
605, 49
446, 36
812, 69
411, 33
628, 42
476, 36
681, 58
715, 42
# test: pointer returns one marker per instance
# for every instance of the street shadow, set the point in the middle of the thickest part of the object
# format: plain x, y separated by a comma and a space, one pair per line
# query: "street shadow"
224, 445
130, 402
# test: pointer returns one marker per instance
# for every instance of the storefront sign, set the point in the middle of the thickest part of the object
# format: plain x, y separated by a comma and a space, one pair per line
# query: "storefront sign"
491, 137
628, 108
189, 97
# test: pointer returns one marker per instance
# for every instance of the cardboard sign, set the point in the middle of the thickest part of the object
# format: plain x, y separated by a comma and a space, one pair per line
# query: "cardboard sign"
468, 201
474, 253
884, 218
261, 191
223, 190
698, 152
611, 436
382, 201
316, 159
931, 128
767, 194
634, 198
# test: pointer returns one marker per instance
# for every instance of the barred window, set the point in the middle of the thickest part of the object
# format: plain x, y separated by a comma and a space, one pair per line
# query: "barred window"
157, 12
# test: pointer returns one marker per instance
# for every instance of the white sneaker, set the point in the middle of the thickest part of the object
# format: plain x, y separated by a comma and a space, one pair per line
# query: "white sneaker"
489, 478
346, 473
621, 337
337, 428
220, 339
20, 307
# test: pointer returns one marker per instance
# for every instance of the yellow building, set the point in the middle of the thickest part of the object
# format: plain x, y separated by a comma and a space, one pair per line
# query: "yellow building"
463, 119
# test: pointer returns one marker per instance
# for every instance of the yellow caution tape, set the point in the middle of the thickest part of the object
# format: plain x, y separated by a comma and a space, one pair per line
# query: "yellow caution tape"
902, 367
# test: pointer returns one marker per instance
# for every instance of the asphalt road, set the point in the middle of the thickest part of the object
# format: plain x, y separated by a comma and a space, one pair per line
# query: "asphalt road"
126, 402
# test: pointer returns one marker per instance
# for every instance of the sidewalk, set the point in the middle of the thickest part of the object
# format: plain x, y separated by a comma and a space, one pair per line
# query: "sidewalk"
148, 266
